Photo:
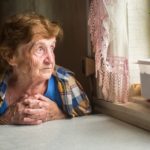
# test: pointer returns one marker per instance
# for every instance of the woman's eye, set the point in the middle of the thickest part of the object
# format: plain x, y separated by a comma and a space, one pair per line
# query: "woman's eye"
40, 50
52, 47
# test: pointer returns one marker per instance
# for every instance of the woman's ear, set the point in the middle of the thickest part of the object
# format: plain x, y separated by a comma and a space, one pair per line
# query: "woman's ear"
12, 61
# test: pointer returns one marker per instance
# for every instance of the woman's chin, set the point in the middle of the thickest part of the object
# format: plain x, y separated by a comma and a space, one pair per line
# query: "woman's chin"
46, 76
43, 75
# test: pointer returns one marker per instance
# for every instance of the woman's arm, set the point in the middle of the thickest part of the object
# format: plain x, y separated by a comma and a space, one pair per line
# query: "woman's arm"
16, 114
6, 117
32, 111
75, 100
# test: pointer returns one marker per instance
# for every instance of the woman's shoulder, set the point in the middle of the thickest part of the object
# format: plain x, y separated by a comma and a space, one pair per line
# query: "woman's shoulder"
63, 73
3, 87
3, 83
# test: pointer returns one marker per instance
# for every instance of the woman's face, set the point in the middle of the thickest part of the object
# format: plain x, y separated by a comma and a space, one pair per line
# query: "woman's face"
36, 59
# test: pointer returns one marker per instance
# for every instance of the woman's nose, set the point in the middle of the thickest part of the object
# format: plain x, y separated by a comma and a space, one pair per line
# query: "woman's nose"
49, 57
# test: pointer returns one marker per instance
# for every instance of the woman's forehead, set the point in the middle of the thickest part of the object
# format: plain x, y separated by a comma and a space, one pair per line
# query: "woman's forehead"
38, 39
41, 39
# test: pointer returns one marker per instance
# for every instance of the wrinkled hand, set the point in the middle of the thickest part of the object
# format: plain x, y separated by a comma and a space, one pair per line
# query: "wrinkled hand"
18, 113
35, 110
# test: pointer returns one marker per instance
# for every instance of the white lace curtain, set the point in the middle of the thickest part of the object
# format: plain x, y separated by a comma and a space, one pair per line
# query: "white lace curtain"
109, 37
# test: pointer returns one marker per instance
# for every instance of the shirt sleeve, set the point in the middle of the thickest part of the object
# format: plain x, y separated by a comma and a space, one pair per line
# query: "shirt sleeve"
75, 100
3, 88
3, 107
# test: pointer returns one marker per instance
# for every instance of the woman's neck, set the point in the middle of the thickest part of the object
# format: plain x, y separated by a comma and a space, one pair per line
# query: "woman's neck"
26, 85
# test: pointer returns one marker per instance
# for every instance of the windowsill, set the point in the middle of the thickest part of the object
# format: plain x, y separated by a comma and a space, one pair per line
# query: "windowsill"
135, 112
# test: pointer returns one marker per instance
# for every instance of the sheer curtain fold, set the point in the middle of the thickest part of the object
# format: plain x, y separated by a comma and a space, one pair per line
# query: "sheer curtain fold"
109, 37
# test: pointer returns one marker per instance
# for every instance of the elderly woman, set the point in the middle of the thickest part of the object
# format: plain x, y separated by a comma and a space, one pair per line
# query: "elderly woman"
33, 89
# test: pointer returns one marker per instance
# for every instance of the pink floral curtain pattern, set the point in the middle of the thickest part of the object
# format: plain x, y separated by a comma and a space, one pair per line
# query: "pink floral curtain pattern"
111, 70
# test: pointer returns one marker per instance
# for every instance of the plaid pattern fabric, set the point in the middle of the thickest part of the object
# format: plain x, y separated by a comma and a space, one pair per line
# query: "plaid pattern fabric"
75, 101
3, 87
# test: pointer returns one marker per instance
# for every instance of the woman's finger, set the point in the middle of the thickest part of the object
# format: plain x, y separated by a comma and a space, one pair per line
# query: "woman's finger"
32, 103
30, 111
42, 97
31, 121
36, 114
45, 102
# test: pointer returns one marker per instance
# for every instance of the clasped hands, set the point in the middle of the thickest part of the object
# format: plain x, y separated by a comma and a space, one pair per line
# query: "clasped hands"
34, 110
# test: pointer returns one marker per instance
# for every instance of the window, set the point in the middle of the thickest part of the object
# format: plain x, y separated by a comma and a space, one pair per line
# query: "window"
139, 35
137, 110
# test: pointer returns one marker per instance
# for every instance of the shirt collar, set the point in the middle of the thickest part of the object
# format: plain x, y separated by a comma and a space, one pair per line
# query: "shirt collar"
62, 73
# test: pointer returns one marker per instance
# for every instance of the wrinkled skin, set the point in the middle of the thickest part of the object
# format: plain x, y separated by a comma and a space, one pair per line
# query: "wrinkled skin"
35, 110
32, 66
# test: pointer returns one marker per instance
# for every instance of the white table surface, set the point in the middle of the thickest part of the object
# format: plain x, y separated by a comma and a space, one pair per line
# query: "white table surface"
94, 132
